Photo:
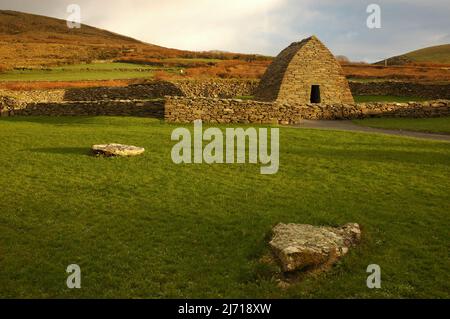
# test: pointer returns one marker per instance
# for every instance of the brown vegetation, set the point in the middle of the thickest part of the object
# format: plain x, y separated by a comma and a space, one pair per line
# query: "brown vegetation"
431, 73
231, 69
28, 40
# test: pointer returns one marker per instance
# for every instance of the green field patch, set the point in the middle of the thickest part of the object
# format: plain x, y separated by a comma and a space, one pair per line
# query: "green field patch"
432, 125
147, 228
85, 72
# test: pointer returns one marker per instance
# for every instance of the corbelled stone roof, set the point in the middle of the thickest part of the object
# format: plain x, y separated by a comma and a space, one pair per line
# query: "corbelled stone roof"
303, 64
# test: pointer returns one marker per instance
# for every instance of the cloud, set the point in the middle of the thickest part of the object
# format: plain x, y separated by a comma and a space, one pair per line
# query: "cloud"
263, 26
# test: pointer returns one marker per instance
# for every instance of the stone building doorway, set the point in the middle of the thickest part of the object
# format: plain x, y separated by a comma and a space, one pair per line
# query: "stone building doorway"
315, 94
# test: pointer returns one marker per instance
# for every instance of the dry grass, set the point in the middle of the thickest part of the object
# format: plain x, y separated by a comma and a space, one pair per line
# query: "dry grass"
31, 41
431, 72
28, 40
231, 69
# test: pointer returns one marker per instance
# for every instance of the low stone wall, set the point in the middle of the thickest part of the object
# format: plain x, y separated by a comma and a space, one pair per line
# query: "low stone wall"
8, 105
35, 96
215, 110
422, 90
91, 108
217, 88
151, 90
157, 89
213, 88
187, 110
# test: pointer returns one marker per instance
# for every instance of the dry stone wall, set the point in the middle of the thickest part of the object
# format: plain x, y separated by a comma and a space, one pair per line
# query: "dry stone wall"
35, 96
187, 110
423, 90
211, 88
92, 108
216, 110
134, 100
8, 105
216, 88
159, 89
152, 90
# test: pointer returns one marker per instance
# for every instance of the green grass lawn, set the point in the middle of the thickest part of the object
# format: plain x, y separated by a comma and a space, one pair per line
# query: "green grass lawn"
387, 98
85, 72
432, 125
147, 228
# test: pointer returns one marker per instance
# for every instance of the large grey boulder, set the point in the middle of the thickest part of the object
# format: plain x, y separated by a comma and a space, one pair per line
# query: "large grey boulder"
299, 247
111, 150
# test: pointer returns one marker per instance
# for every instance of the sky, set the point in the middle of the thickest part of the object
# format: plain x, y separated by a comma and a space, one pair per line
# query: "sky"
263, 26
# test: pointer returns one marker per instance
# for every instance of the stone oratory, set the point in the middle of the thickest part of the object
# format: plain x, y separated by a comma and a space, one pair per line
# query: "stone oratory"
305, 72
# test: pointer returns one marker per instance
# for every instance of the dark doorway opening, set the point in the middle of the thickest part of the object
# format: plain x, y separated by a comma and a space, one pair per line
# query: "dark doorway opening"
315, 94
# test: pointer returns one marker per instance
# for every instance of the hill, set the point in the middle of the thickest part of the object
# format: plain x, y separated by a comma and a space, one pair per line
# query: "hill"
432, 55
29, 40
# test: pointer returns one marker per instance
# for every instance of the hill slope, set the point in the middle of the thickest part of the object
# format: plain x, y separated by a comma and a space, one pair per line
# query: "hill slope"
28, 40
432, 55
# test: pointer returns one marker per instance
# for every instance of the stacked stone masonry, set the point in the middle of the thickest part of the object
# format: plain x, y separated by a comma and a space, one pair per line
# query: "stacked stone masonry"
212, 88
141, 100
151, 90
187, 110
299, 69
411, 89
90, 108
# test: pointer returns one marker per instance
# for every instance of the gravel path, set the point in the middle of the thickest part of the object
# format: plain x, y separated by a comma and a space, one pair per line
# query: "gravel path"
350, 126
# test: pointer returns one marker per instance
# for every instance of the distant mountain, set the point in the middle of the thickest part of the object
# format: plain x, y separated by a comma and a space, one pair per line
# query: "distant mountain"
28, 40
433, 55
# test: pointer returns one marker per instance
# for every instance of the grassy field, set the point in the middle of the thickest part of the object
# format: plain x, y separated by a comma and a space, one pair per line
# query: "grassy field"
145, 227
435, 54
84, 72
104, 67
433, 125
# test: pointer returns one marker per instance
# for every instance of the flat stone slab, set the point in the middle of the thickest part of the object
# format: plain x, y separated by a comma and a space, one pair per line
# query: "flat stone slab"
120, 150
299, 247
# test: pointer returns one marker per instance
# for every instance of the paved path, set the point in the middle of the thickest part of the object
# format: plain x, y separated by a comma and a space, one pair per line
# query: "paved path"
350, 126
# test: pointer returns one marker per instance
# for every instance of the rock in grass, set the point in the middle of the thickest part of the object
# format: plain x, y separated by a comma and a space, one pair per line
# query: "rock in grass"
299, 247
121, 150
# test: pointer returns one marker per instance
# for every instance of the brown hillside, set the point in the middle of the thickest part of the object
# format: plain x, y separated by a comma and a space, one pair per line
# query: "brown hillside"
29, 40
